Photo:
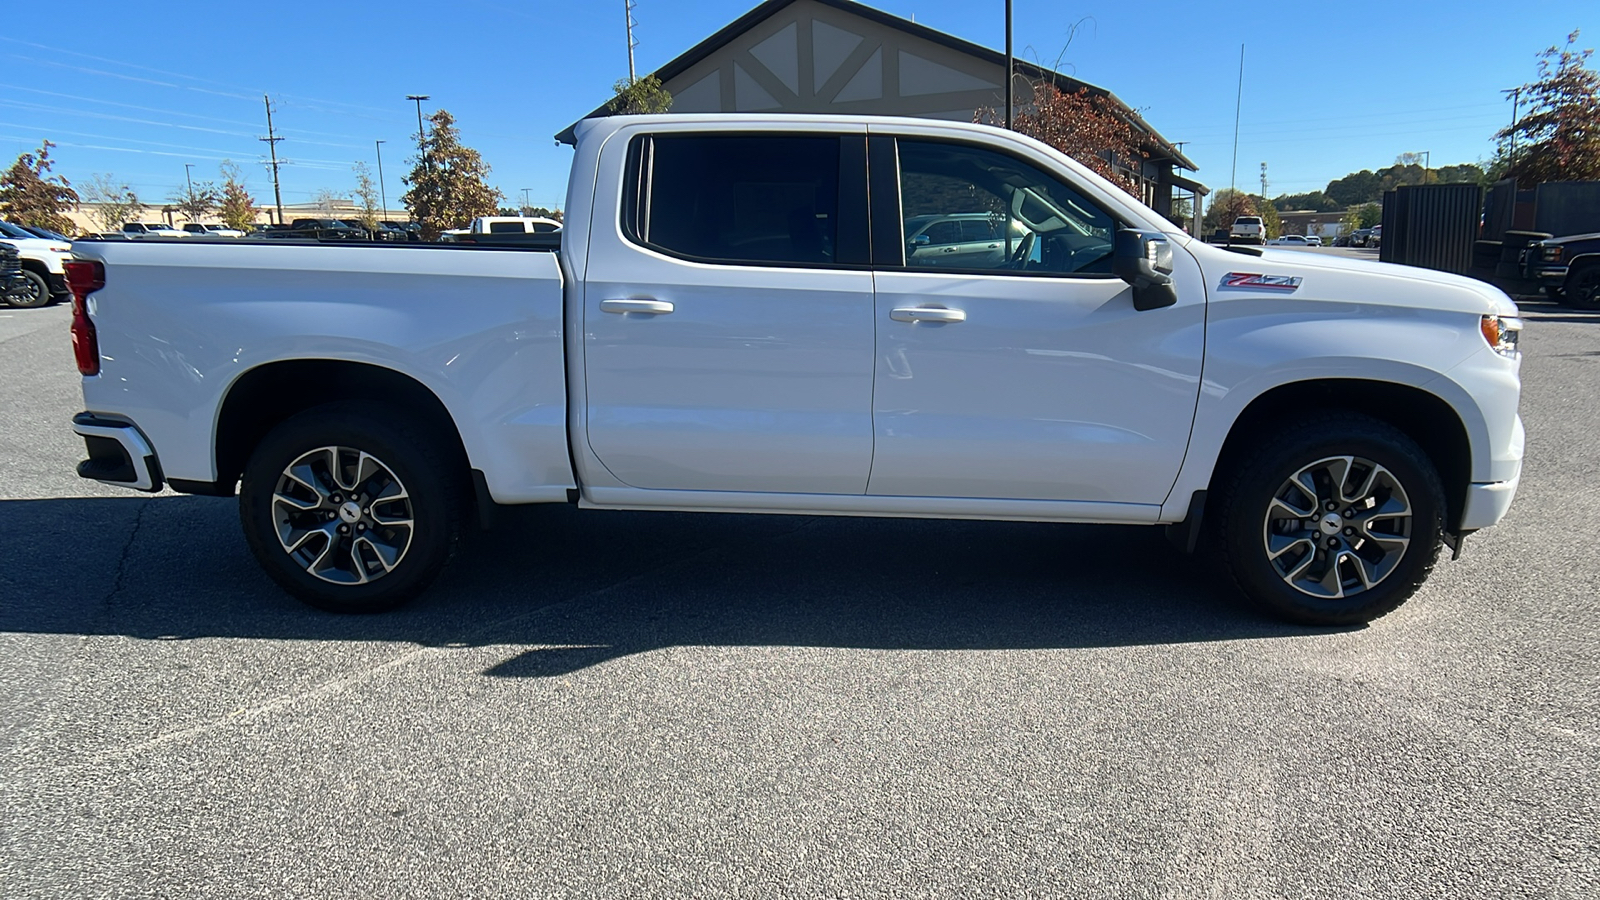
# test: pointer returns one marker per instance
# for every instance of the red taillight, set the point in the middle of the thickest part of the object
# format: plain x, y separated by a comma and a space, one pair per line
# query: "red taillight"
84, 277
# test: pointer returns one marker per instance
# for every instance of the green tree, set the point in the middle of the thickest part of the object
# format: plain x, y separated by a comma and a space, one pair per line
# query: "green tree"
1355, 188
367, 196
1559, 140
1226, 205
1464, 173
449, 185
114, 202
30, 195
195, 199
1271, 224
639, 97
1316, 201
235, 207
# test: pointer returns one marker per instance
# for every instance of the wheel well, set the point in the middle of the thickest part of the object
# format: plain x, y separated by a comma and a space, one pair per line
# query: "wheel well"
36, 267
1584, 261
267, 395
1423, 417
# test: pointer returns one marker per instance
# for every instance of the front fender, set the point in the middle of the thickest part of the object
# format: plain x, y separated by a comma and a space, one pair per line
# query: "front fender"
1252, 351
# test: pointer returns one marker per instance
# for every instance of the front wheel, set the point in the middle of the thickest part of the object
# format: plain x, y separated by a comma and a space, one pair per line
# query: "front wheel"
1334, 521
351, 507
1582, 288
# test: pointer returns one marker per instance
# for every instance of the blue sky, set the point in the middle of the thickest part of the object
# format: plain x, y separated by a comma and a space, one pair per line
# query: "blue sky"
139, 89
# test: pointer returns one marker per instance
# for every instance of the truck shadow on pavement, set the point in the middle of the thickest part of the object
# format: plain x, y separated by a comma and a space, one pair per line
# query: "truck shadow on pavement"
578, 588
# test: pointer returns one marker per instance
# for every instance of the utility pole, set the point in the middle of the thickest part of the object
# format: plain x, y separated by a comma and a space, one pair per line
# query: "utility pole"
188, 179
383, 198
1010, 70
1427, 163
628, 8
525, 204
272, 140
422, 148
1516, 99
1263, 181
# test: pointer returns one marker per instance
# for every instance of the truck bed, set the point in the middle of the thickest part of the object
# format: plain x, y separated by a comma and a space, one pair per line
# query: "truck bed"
180, 322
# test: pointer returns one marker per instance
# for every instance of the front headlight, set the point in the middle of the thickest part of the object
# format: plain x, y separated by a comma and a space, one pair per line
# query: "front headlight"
1502, 332
1552, 254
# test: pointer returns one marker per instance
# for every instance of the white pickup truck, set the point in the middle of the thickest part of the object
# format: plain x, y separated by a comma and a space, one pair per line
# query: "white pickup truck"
503, 225
736, 320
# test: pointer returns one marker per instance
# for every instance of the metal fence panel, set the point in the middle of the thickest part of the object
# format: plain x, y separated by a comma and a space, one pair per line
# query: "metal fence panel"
1568, 207
1431, 226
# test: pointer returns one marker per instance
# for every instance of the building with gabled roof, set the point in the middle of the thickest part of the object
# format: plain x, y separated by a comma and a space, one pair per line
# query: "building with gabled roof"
839, 56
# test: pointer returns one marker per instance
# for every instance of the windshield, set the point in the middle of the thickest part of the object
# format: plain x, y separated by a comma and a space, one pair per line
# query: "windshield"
10, 230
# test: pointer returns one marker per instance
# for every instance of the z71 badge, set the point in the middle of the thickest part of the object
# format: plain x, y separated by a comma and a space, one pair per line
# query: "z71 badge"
1285, 283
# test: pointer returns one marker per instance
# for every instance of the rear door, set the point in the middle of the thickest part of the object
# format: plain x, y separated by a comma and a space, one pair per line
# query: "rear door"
727, 312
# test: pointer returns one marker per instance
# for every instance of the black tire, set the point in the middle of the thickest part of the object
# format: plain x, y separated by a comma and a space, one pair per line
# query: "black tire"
1242, 528
37, 294
1582, 287
431, 479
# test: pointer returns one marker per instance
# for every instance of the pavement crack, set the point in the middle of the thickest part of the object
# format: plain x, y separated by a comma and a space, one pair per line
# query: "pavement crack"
122, 560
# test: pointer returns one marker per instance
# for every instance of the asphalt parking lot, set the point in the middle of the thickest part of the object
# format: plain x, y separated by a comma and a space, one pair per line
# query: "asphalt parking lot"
600, 704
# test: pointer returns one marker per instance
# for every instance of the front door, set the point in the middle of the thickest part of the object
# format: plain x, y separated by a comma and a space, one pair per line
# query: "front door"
727, 317
1027, 374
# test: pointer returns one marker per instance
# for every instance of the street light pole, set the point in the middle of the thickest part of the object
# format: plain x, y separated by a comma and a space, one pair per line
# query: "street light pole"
1010, 87
383, 198
422, 149
190, 181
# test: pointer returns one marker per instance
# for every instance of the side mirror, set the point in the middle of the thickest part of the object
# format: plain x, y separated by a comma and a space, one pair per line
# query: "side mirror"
1144, 260
921, 240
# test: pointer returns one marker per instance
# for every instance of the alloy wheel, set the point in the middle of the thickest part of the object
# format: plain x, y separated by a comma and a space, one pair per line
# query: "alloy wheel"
342, 515
1337, 527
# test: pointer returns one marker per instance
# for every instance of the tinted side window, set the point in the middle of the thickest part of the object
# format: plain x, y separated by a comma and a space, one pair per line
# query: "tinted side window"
1039, 224
740, 198
504, 227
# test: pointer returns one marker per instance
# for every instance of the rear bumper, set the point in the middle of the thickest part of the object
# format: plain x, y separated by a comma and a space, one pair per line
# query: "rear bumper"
118, 453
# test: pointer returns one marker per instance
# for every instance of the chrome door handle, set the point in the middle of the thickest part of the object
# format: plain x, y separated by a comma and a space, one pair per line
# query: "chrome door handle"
648, 307
927, 314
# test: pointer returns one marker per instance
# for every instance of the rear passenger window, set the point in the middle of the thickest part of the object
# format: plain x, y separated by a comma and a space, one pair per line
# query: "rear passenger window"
763, 199
506, 227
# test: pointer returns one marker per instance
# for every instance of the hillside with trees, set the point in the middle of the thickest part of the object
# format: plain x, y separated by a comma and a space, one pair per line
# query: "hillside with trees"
1368, 186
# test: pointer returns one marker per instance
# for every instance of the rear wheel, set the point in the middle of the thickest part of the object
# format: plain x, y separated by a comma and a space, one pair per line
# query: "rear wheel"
351, 507
1337, 521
